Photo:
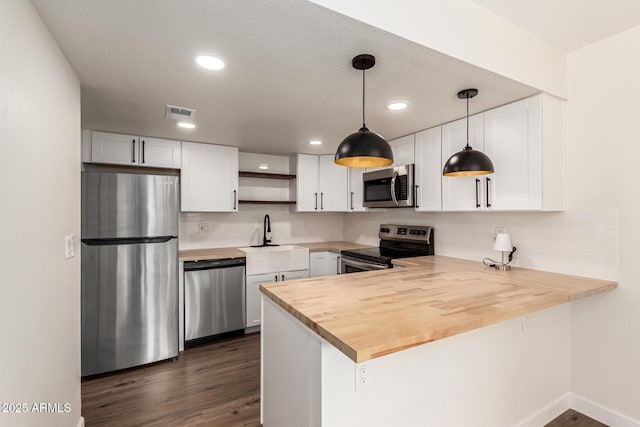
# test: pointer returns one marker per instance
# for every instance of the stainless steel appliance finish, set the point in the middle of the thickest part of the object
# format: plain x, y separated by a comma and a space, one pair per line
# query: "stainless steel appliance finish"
129, 304
214, 297
128, 205
129, 270
396, 241
389, 188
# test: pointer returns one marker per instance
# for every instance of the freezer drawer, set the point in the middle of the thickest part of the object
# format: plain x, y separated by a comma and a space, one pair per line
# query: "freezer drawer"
128, 205
129, 304
214, 301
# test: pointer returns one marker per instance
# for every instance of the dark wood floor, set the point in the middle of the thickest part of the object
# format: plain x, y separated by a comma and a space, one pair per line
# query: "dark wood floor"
571, 418
215, 385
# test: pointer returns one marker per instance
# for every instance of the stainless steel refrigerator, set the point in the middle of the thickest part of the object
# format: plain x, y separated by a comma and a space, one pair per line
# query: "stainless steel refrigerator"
129, 269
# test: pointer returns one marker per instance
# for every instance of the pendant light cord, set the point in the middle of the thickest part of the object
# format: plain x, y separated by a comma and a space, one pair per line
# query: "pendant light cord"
467, 121
363, 95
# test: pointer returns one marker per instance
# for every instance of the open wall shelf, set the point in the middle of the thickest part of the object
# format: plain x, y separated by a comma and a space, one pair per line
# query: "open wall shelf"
242, 174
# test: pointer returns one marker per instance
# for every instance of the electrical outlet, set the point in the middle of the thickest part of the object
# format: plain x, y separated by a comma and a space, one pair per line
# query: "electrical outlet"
203, 227
69, 246
363, 377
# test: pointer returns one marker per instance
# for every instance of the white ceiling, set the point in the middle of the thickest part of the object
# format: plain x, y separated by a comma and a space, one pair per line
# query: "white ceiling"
568, 24
288, 77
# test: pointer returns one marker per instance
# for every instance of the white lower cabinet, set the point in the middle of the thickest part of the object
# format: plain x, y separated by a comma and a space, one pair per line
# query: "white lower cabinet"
324, 264
253, 294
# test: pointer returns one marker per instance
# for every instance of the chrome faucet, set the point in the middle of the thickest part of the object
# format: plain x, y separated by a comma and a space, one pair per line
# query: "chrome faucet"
266, 229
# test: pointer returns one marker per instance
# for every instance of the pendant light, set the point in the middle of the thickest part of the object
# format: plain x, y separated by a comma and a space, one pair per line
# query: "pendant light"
468, 162
364, 149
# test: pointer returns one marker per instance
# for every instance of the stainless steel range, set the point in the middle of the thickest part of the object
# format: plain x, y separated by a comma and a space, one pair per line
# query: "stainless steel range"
396, 241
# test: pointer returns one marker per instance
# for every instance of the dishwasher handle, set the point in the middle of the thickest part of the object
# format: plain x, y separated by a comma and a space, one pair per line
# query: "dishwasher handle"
209, 264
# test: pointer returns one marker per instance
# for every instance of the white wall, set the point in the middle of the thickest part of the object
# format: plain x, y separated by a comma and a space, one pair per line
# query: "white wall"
245, 227
467, 31
602, 170
40, 193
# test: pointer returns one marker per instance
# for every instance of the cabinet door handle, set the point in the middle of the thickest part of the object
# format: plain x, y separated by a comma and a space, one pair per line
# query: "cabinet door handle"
282, 277
133, 151
321, 201
338, 264
477, 191
143, 151
276, 276
316, 194
488, 181
235, 199
352, 200
416, 196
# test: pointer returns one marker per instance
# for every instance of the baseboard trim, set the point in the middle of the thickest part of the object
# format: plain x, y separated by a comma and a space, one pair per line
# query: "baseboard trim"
601, 413
547, 413
81, 422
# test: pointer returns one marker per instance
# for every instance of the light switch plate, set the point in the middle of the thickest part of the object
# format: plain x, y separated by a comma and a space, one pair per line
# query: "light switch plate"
69, 246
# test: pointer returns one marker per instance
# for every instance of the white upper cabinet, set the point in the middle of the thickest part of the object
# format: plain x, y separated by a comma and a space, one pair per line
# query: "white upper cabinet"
209, 178
332, 186
513, 141
307, 197
462, 193
524, 140
114, 148
428, 170
321, 185
356, 189
403, 150
132, 150
160, 153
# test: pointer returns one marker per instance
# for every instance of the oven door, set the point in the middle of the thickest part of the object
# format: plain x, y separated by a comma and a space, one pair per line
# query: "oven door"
353, 265
389, 188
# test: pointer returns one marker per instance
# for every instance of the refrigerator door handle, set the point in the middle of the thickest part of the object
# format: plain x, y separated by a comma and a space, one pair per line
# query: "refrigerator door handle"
126, 240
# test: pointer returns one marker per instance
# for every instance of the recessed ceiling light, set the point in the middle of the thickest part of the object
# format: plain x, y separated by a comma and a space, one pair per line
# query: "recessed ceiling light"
210, 62
186, 125
263, 166
395, 106
316, 142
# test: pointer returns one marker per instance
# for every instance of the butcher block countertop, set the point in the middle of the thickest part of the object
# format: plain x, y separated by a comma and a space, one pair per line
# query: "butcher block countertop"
222, 253
371, 314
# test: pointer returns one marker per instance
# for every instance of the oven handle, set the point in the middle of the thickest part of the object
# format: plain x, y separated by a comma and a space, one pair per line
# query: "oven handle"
364, 265
393, 188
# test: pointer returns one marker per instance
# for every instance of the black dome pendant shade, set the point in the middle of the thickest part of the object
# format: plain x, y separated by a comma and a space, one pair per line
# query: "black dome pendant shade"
468, 162
364, 149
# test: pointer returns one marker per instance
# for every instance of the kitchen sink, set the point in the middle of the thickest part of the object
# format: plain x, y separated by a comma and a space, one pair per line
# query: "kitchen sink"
274, 259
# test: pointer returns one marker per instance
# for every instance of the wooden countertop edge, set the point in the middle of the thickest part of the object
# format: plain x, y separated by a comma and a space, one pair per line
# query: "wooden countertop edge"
235, 252
560, 296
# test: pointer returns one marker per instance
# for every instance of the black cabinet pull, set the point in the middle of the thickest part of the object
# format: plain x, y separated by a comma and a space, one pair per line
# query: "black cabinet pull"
488, 181
316, 194
352, 200
143, 151
282, 276
276, 276
321, 201
235, 199
477, 191
133, 151
416, 196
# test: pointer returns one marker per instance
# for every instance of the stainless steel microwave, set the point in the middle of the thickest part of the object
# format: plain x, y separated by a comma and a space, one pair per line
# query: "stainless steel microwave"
389, 188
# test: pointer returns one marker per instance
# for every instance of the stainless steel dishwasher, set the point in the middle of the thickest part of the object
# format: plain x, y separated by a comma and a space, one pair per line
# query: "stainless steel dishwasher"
214, 298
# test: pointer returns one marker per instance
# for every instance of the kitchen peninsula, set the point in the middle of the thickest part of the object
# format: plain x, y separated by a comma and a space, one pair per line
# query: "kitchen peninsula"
440, 342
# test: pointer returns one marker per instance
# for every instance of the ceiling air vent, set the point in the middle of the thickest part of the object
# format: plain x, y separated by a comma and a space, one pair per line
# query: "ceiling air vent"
179, 113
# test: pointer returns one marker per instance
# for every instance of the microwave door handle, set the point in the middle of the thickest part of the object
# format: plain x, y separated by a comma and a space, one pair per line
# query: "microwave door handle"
393, 188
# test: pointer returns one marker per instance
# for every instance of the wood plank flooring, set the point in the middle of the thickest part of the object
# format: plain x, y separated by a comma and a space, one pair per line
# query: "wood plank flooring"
216, 384
572, 418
